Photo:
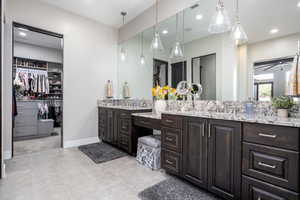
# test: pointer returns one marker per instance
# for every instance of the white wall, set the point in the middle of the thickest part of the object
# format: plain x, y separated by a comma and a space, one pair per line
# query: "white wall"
90, 58
265, 50
24, 50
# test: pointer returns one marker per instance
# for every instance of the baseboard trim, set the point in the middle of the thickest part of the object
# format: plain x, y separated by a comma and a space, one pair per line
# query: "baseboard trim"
76, 143
7, 155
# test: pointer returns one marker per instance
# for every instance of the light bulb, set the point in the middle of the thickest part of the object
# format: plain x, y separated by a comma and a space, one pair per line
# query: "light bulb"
220, 18
220, 21
177, 51
142, 59
238, 34
156, 43
123, 54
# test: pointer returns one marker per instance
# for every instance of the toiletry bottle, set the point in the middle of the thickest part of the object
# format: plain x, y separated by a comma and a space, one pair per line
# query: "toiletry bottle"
249, 108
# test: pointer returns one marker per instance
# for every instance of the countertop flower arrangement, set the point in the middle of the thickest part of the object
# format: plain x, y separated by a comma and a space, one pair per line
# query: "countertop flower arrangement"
163, 93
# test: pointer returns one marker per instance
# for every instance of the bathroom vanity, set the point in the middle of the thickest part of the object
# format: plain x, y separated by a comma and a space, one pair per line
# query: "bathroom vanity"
115, 126
233, 159
232, 156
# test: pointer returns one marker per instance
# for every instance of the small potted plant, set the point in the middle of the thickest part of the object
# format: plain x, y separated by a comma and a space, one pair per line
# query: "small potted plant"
160, 94
282, 104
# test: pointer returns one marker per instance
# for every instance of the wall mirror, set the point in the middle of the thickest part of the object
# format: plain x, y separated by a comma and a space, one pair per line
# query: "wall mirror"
259, 68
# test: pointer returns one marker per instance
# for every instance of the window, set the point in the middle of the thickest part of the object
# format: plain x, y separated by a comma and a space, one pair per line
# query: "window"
263, 91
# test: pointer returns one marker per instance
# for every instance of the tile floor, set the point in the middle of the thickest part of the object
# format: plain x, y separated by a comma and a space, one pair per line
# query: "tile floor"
68, 174
37, 145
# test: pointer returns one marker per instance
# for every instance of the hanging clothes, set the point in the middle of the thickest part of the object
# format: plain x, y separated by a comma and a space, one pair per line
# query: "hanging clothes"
32, 81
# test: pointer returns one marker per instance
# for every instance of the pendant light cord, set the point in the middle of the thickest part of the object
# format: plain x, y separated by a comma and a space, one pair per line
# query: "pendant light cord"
142, 38
156, 13
237, 10
177, 37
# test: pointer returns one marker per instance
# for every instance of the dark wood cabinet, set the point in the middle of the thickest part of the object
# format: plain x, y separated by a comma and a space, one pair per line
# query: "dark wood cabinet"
273, 165
224, 158
258, 190
115, 127
195, 151
211, 153
109, 135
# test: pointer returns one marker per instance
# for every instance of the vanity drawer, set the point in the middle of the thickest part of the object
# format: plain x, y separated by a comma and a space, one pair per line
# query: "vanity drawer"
124, 142
171, 162
125, 126
171, 121
124, 114
172, 139
273, 165
253, 189
277, 136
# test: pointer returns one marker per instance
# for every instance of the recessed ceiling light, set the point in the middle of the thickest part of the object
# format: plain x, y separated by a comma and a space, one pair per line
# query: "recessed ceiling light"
22, 34
165, 32
298, 4
199, 17
274, 31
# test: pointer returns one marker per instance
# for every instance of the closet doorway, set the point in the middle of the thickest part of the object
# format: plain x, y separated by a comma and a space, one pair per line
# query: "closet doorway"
37, 86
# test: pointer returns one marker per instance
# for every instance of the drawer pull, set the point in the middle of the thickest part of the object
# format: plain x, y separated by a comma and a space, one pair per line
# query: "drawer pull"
169, 121
267, 135
144, 122
266, 165
169, 162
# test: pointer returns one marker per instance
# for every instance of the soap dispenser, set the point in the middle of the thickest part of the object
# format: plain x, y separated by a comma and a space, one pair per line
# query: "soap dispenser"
126, 91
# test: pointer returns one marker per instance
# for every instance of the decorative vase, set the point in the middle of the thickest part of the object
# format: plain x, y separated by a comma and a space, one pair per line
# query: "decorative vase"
160, 106
282, 113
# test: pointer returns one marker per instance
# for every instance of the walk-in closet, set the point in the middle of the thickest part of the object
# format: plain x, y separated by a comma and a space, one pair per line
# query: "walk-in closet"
37, 85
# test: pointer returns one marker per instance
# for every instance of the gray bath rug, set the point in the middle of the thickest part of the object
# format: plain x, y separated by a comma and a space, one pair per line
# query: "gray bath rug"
175, 189
101, 152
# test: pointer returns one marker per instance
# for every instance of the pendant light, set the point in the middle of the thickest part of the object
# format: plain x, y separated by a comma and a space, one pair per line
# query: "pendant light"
142, 58
156, 44
238, 33
220, 21
177, 50
122, 50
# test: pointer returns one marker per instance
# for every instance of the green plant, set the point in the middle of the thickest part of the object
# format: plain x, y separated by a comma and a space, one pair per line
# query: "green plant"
282, 102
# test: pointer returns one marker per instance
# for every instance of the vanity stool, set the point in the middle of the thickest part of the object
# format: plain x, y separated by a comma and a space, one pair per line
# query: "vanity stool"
148, 151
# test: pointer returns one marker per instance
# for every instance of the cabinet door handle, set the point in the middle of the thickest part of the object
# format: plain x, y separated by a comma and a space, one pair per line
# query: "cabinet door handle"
144, 122
203, 129
209, 130
267, 135
169, 121
266, 165
169, 162
258, 198
169, 139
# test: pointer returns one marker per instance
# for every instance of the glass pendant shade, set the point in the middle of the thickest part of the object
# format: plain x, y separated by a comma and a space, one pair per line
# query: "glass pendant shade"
238, 34
177, 51
156, 44
123, 54
142, 59
220, 21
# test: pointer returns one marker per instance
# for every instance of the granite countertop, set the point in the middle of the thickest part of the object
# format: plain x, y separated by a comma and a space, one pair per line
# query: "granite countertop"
292, 122
125, 107
147, 115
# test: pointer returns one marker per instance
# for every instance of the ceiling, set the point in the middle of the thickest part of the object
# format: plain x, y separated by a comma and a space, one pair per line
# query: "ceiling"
257, 17
37, 39
104, 11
